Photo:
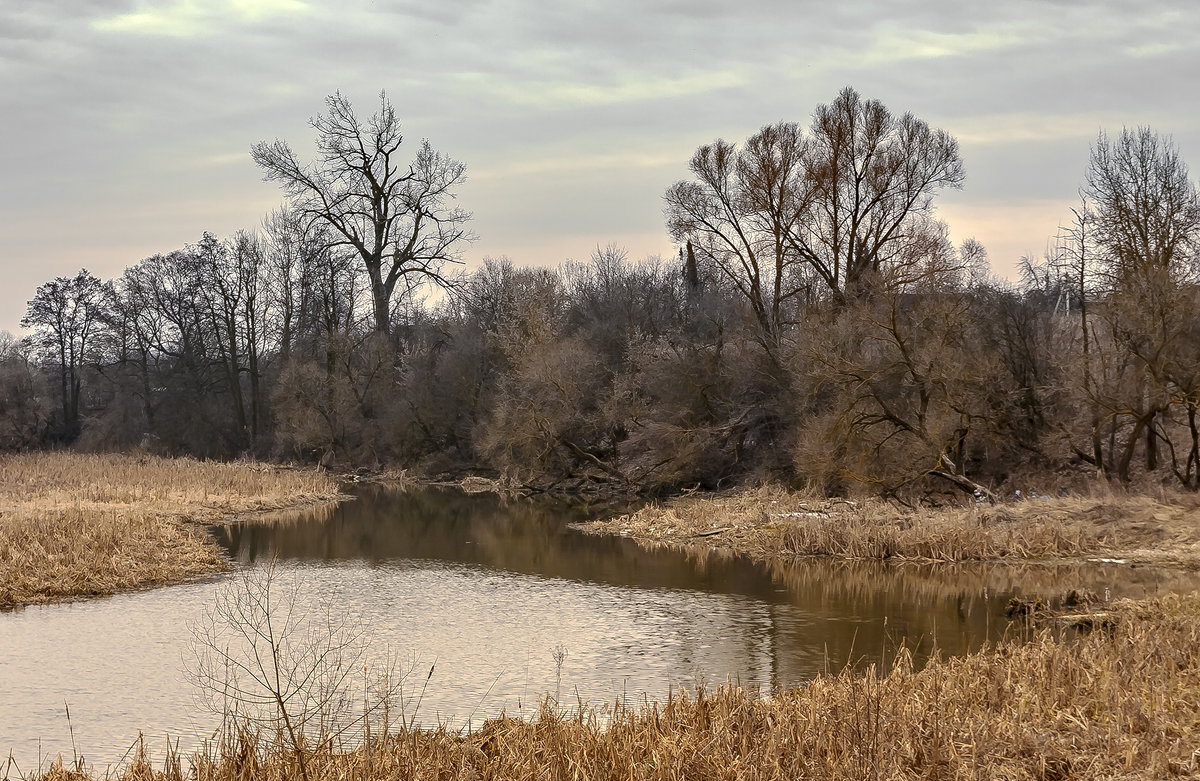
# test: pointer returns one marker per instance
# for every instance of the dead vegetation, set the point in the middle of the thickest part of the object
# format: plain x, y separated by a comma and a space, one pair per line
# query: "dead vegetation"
1112, 691
1115, 698
81, 525
771, 522
1063, 585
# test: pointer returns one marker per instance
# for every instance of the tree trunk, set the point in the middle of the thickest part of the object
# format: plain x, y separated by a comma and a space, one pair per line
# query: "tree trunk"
1193, 462
1131, 445
1151, 445
382, 307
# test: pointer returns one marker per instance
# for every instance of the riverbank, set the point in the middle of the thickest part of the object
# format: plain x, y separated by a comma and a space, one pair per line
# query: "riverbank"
75, 525
1117, 696
770, 523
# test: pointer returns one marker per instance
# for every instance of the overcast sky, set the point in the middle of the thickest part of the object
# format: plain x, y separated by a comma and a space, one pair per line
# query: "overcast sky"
127, 124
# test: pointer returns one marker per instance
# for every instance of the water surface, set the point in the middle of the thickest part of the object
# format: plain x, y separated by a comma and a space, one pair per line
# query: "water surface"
505, 605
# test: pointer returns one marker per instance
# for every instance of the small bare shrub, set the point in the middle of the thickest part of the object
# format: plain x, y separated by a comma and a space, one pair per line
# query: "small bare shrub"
259, 660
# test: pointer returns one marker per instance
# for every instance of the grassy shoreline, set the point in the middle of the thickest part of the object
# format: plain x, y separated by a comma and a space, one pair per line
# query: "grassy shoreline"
772, 523
1115, 696
1118, 697
75, 525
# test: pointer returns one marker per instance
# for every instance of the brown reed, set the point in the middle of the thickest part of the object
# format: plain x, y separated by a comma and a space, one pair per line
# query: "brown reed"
75, 525
770, 522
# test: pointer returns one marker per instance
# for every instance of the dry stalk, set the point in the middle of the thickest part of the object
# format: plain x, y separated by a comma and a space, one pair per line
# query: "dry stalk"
79, 525
770, 522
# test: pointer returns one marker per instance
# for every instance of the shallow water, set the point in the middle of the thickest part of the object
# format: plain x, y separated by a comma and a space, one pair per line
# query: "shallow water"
488, 594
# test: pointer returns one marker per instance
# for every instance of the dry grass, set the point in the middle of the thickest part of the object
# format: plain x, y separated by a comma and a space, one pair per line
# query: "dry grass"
770, 522
78, 525
859, 581
1119, 702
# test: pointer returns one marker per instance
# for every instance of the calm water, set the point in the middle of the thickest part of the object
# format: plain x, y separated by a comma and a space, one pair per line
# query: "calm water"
487, 594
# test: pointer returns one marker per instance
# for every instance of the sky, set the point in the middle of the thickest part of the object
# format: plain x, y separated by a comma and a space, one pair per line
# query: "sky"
126, 125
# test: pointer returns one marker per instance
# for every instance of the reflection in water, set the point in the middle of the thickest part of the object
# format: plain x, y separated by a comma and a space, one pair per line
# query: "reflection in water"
484, 591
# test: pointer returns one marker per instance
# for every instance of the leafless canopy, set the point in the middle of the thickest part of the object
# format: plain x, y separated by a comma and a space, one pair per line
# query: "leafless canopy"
399, 217
831, 210
1147, 210
65, 314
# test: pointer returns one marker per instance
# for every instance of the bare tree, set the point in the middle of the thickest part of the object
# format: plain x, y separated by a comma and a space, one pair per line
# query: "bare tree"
233, 281
738, 212
835, 209
285, 253
873, 176
188, 346
1147, 213
65, 313
1075, 260
1147, 229
905, 391
399, 218
24, 403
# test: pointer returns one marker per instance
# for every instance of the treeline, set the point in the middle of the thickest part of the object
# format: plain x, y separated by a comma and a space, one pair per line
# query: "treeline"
817, 327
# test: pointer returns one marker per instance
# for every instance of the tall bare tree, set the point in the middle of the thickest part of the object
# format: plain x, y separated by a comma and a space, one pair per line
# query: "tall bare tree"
65, 313
1147, 229
873, 176
737, 212
835, 209
232, 274
1147, 212
399, 218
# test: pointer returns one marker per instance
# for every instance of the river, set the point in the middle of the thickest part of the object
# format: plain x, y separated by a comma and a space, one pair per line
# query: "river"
493, 605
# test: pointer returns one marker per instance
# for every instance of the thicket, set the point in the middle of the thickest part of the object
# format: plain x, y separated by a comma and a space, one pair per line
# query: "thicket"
818, 327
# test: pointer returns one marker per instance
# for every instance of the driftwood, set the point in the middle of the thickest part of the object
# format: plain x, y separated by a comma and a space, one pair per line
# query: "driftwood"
961, 481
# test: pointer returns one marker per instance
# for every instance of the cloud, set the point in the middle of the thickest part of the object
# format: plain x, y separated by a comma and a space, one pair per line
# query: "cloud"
575, 163
1154, 49
190, 18
1022, 127
571, 117
896, 45
1026, 127
624, 88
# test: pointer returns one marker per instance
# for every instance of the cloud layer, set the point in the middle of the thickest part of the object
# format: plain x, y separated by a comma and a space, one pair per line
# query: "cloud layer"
129, 123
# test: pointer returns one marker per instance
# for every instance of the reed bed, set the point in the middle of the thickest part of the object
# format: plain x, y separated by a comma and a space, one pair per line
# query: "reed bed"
930, 583
1121, 701
857, 581
771, 522
76, 525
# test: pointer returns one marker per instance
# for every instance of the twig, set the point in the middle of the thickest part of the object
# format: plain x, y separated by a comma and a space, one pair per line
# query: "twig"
71, 727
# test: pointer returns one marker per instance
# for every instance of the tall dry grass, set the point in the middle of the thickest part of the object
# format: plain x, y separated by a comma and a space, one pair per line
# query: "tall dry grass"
78, 525
771, 522
1120, 701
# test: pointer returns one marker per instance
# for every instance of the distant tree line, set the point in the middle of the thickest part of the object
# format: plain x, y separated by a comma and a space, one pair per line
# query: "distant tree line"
818, 327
